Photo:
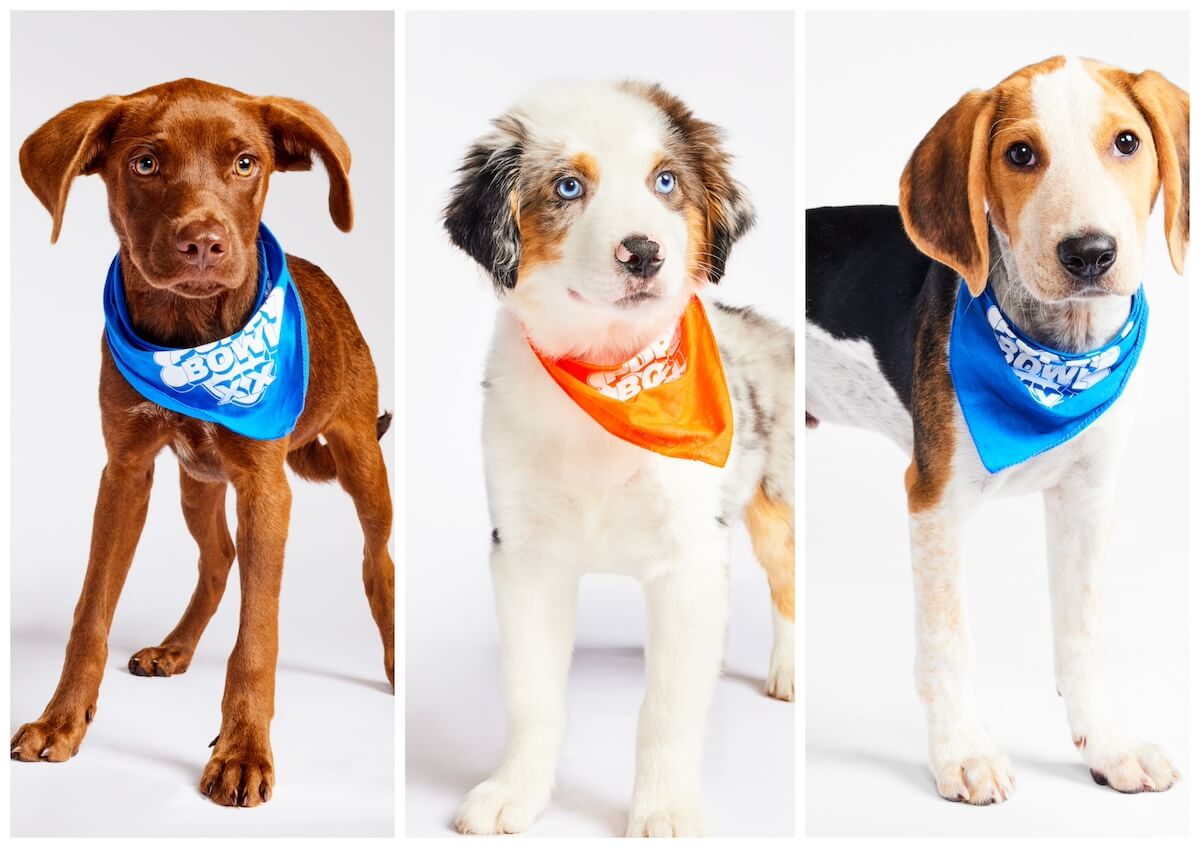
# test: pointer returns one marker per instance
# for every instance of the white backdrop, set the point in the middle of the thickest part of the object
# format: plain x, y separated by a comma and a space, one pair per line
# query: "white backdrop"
463, 70
140, 764
875, 85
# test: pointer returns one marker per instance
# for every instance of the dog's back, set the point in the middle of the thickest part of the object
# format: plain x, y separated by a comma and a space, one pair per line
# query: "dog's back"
863, 291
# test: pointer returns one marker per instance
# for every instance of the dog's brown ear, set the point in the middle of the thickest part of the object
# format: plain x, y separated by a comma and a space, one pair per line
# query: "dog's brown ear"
1166, 108
726, 206
298, 131
69, 144
943, 190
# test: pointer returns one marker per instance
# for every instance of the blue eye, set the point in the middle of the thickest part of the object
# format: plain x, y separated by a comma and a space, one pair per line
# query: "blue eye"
569, 188
665, 184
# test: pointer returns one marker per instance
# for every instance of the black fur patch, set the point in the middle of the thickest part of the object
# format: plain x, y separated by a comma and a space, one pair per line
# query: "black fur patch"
479, 217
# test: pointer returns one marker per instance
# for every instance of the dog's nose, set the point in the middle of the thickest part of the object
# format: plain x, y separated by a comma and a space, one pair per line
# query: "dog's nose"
202, 243
1088, 256
640, 255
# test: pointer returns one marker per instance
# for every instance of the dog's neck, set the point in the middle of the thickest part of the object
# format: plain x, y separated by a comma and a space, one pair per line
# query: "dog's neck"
171, 320
1074, 326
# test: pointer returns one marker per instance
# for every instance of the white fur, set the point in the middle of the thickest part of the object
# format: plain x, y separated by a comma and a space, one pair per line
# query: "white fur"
624, 133
569, 498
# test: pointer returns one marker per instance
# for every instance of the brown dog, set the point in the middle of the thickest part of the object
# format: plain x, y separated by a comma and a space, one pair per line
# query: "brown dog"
186, 165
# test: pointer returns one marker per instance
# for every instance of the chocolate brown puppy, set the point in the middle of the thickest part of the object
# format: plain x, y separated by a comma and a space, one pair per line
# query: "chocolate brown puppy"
187, 166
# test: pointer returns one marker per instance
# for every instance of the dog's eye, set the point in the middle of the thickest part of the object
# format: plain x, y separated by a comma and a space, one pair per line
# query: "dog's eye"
244, 166
1021, 155
568, 188
1126, 143
665, 184
144, 165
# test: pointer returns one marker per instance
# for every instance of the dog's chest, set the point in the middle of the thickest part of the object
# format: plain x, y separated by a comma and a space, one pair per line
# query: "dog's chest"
555, 475
192, 443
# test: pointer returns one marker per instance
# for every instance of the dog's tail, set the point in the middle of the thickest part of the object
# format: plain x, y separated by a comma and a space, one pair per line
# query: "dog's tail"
382, 423
314, 462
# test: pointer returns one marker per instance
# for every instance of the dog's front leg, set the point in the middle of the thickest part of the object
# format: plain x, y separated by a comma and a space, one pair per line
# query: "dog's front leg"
687, 608
536, 601
120, 515
241, 770
965, 763
1077, 520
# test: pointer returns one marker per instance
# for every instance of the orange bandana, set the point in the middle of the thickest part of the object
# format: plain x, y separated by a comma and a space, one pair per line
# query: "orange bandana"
670, 398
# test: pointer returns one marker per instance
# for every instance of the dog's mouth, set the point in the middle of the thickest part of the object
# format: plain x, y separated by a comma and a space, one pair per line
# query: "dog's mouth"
629, 301
198, 287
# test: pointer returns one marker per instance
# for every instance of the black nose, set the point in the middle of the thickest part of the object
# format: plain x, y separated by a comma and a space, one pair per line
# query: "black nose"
640, 256
1088, 256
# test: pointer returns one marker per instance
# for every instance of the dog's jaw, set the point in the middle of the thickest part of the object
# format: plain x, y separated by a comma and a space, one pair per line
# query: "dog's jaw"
1076, 325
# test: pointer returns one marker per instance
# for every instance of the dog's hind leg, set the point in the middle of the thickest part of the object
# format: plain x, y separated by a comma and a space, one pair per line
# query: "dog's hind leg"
772, 527
362, 473
204, 512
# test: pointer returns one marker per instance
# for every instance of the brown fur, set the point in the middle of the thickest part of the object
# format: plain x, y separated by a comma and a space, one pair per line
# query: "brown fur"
772, 527
196, 130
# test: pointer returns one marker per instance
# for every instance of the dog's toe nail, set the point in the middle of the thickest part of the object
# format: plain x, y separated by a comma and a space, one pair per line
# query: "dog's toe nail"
264, 792
214, 742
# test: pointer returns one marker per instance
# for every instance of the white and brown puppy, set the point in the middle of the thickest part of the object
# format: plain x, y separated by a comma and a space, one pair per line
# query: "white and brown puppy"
1040, 187
599, 210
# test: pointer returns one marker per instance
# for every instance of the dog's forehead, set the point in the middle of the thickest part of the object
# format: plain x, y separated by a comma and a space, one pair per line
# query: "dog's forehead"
1068, 88
190, 109
599, 119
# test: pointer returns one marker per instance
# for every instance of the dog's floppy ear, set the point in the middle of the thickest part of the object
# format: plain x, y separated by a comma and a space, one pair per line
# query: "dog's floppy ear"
726, 206
71, 143
943, 190
481, 216
1166, 108
298, 131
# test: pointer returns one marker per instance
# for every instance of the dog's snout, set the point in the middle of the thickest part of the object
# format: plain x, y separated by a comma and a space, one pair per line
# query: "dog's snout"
640, 255
202, 243
1088, 256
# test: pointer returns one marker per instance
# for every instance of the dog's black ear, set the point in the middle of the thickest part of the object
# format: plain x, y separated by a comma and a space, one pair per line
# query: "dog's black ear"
71, 143
481, 216
725, 206
298, 131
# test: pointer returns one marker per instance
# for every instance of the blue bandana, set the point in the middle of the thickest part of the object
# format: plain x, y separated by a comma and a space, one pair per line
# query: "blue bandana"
1020, 399
252, 382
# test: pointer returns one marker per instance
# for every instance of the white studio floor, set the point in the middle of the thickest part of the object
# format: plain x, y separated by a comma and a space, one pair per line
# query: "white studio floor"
455, 714
138, 770
866, 773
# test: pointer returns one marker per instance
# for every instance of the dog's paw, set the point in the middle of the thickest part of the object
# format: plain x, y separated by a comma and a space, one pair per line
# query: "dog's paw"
501, 806
979, 779
50, 739
1129, 767
162, 661
239, 778
781, 679
668, 820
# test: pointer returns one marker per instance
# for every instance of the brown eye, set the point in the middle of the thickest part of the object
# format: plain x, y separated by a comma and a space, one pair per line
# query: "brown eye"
1021, 155
1126, 143
144, 165
244, 166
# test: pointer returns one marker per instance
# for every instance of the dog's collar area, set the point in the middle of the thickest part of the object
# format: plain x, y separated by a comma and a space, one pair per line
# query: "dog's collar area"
253, 381
1020, 398
669, 398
